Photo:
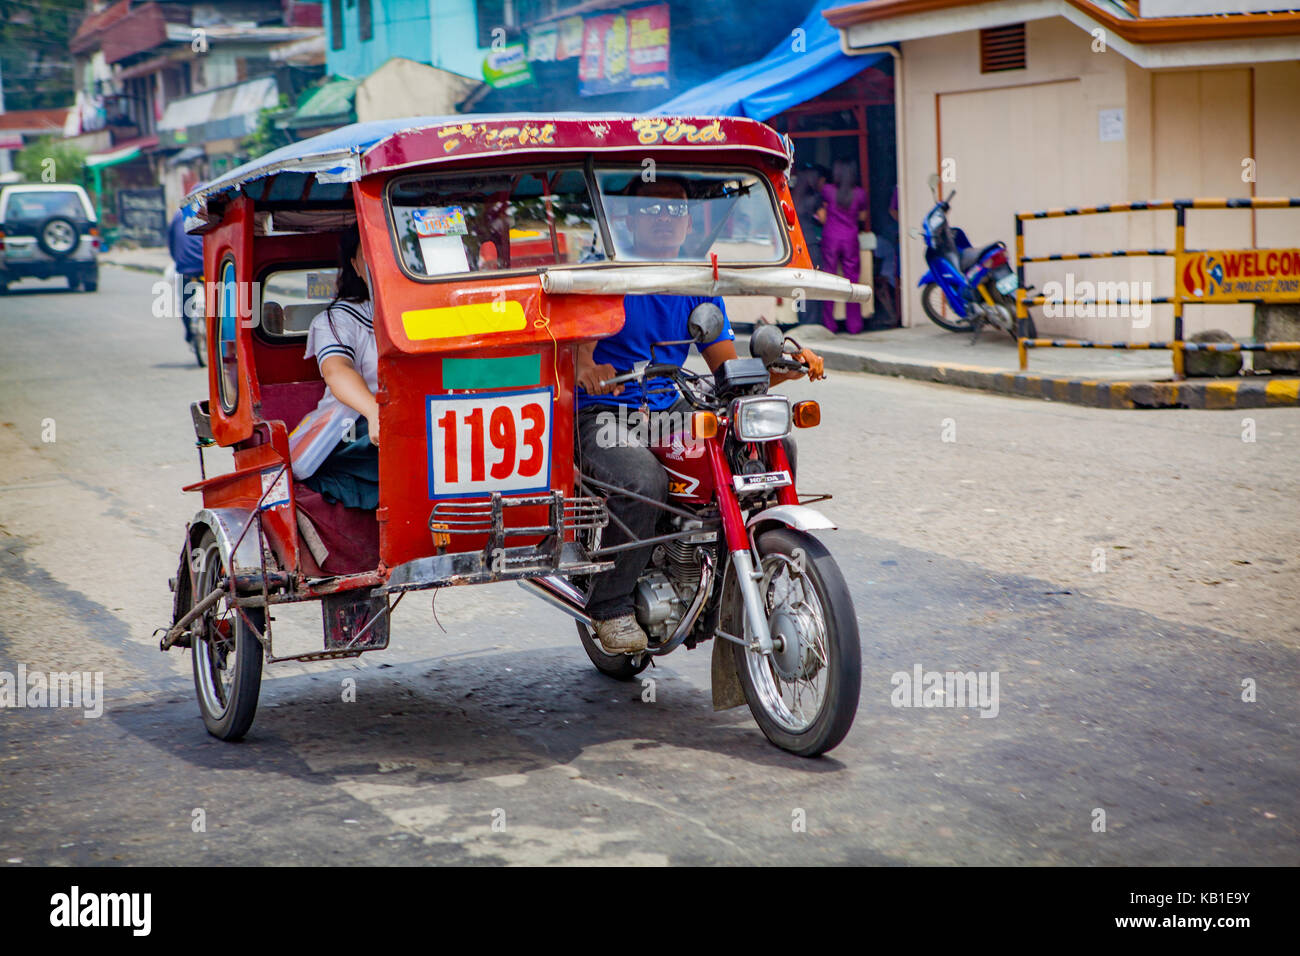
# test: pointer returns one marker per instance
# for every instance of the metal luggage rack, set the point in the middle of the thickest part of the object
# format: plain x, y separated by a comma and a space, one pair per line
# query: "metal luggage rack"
488, 517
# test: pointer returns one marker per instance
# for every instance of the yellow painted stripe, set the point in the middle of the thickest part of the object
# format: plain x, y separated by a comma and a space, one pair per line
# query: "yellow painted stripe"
1221, 394
1284, 392
458, 321
1119, 395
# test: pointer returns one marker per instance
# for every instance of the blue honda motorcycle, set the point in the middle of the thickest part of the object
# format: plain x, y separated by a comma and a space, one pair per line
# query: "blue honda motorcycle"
978, 285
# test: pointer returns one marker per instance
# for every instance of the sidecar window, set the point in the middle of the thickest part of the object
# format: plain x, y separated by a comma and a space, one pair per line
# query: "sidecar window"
494, 221
291, 298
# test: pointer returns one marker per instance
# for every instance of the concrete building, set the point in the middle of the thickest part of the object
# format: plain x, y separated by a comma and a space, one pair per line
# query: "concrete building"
1030, 104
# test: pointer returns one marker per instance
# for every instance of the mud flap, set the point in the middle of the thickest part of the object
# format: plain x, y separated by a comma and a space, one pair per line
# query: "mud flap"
727, 689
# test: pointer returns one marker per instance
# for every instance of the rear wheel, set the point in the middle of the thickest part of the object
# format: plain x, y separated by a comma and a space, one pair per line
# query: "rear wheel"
934, 303
804, 696
618, 666
227, 655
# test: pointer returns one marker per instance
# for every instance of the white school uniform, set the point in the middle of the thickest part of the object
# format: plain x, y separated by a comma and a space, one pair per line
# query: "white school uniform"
352, 335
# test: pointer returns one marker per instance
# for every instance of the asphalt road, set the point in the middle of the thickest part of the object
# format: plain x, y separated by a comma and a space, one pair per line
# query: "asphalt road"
485, 736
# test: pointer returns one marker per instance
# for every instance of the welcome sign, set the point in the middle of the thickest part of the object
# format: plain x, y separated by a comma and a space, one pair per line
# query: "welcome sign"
1233, 275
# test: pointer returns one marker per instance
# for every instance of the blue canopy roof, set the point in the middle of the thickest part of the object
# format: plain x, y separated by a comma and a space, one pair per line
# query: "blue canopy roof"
782, 79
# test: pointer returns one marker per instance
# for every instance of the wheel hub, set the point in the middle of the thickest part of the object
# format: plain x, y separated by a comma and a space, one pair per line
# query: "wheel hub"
791, 654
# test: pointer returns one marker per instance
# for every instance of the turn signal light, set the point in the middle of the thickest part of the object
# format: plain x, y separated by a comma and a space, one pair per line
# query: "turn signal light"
704, 425
806, 414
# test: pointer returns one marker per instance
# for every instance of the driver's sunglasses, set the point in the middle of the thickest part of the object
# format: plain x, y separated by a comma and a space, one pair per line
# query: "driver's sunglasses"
674, 209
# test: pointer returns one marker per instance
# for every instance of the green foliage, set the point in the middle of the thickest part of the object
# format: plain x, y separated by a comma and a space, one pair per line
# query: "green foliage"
266, 137
34, 56
68, 166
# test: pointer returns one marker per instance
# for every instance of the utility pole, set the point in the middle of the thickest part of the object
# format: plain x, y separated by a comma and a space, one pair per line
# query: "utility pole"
6, 157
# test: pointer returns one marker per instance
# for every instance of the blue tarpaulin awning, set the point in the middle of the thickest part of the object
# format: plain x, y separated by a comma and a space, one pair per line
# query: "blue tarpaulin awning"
804, 66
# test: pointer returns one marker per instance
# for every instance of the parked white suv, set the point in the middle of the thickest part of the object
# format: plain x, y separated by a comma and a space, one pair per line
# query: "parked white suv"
48, 230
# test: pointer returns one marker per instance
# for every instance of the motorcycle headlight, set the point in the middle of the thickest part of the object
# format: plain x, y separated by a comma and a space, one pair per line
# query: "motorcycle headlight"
761, 417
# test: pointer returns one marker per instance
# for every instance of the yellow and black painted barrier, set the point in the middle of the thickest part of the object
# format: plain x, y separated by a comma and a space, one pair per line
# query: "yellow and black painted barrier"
1201, 276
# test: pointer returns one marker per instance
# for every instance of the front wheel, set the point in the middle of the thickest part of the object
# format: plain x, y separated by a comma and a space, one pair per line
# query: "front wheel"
933, 302
199, 340
1031, 331
227, 655
805, 695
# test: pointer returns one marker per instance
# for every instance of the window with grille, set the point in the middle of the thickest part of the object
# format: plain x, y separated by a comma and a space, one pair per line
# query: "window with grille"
1002, 48
336, 24
366, 27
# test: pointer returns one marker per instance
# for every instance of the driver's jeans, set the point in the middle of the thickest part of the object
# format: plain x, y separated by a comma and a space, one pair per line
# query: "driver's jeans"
608, 453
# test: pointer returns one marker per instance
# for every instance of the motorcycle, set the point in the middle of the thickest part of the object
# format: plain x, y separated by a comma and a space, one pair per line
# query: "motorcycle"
734, 558
978, 284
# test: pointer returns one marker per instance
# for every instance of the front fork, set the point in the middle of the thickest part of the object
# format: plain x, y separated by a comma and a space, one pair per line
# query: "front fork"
748, 574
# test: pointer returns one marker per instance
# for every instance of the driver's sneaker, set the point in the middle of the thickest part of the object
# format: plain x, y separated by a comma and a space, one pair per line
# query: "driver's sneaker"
620, 635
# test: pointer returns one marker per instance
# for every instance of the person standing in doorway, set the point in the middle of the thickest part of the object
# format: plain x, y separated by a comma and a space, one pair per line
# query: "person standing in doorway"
808, 183
842, 214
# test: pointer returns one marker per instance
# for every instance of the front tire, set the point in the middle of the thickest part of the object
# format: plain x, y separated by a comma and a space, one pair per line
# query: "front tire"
803, 592
933, 301
227, 656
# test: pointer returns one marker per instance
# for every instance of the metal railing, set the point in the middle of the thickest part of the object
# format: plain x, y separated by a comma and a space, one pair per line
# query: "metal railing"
1179, 253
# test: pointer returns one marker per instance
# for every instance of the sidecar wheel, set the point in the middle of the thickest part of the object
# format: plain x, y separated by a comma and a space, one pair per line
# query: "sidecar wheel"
227, 656
618, 666
810, 708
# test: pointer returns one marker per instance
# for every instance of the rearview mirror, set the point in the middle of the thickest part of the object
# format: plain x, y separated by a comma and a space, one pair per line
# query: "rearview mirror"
705, 323
767, 343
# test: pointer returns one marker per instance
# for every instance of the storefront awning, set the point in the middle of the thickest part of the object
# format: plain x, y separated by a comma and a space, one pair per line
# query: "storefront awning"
121, 153
333, 104
804, 66
227, 113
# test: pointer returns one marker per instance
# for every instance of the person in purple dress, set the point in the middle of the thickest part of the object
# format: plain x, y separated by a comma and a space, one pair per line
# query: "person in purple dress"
842, 214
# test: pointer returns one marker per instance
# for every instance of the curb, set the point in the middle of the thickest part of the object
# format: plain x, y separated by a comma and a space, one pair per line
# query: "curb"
134, 266
1261, 392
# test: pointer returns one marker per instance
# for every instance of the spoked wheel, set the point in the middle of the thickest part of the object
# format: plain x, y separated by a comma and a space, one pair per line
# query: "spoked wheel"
934, 303
618, 666
227, 653
805, 695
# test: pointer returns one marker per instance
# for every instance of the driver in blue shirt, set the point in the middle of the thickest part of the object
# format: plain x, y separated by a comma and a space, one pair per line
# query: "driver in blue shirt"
659, 221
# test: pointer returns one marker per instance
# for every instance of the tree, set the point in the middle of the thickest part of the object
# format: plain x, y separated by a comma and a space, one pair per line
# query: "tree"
266, 136
68, 166
34, 57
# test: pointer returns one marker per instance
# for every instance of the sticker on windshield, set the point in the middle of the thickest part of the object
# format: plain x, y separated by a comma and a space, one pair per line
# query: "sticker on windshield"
439, 221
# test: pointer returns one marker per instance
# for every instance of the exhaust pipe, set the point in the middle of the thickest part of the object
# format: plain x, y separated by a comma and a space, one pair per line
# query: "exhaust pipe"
558, 593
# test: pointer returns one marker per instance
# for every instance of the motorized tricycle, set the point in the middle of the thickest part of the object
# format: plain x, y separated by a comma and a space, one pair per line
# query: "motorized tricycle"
495, 246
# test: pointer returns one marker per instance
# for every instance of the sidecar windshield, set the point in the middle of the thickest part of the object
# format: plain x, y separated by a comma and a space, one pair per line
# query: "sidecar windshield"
493, 221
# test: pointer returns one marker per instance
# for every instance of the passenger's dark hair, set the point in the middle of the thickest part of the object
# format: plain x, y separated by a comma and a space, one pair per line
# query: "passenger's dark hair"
350, 287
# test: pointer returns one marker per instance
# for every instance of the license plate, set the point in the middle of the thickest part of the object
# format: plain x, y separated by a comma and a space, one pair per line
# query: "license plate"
19, 252
496, 441
1008, 284
767, 479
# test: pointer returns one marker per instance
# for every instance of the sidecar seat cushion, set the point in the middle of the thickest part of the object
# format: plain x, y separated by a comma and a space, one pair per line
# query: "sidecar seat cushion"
350, 534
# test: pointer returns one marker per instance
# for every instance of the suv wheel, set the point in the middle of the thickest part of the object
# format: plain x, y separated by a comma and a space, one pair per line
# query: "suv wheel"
58, 237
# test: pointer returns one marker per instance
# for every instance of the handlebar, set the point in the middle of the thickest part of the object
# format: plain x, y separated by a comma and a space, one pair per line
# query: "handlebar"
650, 371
